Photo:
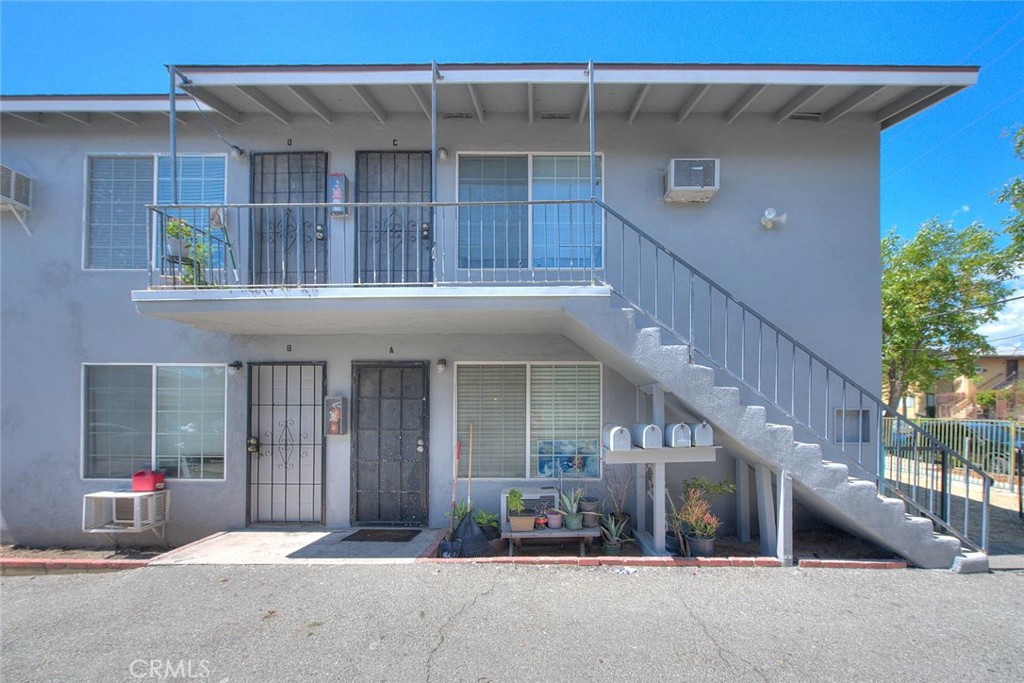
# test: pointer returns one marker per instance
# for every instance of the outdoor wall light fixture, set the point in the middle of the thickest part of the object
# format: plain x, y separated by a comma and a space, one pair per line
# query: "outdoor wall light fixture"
442, 366
442, 153
771, 217
234, 366
237, 152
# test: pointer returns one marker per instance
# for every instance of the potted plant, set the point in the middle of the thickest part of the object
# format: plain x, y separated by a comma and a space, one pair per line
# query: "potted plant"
519, 518
615, 532
488, 523
555, 518
617, 489
185, 246
570, 509
695, 513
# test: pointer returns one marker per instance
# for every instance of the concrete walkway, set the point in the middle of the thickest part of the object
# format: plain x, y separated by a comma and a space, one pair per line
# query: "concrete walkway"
287, 546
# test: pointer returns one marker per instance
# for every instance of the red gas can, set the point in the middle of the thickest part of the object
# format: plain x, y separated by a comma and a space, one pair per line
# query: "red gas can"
147, 480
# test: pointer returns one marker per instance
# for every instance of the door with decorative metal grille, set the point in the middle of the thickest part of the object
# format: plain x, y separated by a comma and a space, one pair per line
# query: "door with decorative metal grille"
394, 242
286, 444
389, 443
289, 242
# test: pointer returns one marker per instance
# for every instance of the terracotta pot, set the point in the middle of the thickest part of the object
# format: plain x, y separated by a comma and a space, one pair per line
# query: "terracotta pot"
521, 523
554, 520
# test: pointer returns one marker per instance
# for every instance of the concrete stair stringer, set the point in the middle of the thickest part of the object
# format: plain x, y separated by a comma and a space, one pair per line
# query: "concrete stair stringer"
825, 487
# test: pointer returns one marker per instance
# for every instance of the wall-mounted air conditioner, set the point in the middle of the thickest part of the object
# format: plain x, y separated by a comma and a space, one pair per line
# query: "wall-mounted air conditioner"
15, 194
691, 180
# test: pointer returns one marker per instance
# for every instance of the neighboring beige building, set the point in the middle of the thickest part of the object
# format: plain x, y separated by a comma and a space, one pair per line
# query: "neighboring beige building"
994, 392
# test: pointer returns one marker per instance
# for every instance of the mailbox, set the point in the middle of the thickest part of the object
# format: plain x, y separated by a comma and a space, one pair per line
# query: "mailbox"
616, 438
677, 435
702, 434
647, 436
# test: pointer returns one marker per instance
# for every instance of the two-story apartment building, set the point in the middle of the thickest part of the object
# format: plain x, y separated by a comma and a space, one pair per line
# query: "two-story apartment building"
295, 288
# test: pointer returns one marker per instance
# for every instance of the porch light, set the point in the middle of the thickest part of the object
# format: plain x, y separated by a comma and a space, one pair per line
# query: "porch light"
234, 367
442, 153
237, 152
442, 366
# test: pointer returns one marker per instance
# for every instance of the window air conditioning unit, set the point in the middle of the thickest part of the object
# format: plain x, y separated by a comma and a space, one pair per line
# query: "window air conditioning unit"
15, 194
691, 180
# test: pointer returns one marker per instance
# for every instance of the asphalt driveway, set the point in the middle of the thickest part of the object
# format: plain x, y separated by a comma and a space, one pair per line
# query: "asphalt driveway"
426, 622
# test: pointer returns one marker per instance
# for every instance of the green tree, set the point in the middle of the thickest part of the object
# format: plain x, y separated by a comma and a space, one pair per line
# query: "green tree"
1013, 194
937, 289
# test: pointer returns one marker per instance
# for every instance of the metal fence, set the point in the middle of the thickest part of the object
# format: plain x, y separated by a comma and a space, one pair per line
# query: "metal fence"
995, 446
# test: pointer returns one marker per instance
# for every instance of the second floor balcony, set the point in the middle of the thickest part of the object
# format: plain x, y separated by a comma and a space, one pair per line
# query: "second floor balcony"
225, 266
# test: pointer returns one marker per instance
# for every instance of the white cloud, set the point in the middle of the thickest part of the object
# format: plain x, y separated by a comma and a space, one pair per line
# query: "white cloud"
1007, 330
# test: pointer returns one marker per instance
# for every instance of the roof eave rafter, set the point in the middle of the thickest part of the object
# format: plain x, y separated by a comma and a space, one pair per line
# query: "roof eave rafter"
854, 100
800, 99
370, 102
215, 103
691, 102
477, 103
744, 102
638, 102
268, 105
313, 102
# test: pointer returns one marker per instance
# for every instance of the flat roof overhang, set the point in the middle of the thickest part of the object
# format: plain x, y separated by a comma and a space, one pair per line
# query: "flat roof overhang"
535, 92
328, 310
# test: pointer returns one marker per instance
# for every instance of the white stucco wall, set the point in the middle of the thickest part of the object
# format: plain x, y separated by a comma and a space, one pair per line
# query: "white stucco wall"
817, 277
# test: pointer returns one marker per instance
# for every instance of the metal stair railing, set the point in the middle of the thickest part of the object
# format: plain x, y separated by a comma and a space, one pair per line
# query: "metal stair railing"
844, 417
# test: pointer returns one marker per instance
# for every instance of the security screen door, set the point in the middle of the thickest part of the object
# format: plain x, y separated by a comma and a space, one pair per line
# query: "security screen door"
289, 243
286, 444
389, 443
394, 242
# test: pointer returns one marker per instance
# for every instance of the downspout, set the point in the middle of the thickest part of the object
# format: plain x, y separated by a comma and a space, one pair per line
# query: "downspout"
593, 176
174, 134
433, 170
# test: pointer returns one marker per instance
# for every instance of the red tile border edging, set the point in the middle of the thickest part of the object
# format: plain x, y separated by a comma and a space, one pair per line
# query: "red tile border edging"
616, 561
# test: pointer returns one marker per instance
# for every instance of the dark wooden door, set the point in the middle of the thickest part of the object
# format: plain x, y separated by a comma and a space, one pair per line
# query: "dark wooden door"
390, 448
394, 242
289, 242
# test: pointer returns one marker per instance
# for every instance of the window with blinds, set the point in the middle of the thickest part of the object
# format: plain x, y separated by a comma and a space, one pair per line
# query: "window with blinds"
499, 236
530, 420
493, 399
565, 420
118, 224
120, 188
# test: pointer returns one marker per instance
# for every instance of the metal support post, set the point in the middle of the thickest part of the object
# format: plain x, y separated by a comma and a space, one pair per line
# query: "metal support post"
742, 501
784, 541
765, 511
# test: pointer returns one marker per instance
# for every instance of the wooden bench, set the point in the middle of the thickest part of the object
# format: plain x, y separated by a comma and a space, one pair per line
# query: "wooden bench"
534, 499
515, 538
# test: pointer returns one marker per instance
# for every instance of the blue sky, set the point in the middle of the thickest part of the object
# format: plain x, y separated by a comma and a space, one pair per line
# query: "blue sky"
948, 162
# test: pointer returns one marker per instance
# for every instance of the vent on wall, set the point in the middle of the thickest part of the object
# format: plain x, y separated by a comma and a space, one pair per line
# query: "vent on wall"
691, 180
15, 194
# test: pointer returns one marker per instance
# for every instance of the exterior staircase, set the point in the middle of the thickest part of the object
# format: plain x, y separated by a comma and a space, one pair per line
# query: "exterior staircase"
775, 402
821, 485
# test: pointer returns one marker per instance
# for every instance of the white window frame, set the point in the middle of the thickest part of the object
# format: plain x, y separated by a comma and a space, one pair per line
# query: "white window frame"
152, 444
151, 242
599, 162
527, 454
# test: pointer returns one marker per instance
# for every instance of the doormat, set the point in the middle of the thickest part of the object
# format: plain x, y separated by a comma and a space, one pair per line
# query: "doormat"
384, 535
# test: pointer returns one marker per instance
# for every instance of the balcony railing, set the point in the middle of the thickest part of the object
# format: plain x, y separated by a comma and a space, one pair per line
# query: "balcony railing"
394, 244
